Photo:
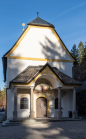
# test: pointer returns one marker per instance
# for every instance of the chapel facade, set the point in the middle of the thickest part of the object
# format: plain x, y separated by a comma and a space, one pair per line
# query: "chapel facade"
38, 72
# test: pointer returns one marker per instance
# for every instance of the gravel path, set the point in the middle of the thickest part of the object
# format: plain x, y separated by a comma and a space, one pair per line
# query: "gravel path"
54, 130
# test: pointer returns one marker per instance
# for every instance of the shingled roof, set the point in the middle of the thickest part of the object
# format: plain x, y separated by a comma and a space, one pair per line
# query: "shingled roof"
38, 21
26, 76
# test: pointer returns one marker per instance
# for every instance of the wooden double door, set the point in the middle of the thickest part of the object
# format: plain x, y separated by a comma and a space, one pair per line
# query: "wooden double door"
41, 107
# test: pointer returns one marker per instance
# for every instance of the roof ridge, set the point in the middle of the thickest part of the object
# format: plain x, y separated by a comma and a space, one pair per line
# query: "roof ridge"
40, 21
45, 21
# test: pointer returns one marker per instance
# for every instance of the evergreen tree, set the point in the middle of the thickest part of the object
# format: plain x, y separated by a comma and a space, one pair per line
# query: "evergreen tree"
80, 52
74, 52
84, 52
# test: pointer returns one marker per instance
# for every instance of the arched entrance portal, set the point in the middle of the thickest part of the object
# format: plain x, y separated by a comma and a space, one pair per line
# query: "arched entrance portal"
41, 107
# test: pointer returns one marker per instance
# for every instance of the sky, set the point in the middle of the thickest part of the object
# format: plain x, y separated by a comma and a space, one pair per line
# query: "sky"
68, 17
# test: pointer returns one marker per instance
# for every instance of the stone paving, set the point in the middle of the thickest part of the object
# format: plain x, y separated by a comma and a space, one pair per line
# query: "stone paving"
54, 130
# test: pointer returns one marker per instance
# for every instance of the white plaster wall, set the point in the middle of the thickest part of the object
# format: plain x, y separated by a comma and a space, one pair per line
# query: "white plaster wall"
40, 43
10, 103
16, 66
51, 108
23, 113
67, 103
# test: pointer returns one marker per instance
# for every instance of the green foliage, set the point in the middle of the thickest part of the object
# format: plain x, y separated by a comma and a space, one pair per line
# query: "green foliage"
74, 52
3, 92
84, 52
4, 89
79, 53
0, 93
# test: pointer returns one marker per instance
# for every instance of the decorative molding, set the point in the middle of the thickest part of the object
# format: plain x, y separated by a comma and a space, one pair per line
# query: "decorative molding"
40, 59
47, 72
45, 93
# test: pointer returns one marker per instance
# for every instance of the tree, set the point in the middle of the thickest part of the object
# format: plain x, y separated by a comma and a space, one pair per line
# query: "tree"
80, 52
84, 52
0, 93
80, 69
3, 97
74, 52
4, 89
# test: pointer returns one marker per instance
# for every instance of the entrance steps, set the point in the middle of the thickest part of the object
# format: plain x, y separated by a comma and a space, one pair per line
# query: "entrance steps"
35, 121
17, 122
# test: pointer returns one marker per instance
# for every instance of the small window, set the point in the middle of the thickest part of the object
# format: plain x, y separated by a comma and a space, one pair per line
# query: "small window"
24, 103
56, 103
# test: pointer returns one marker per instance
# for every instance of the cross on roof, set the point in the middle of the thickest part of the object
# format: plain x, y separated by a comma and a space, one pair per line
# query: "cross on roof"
37, 13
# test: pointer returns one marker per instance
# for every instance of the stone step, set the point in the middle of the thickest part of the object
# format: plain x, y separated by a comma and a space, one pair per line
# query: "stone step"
7, 124
14, 123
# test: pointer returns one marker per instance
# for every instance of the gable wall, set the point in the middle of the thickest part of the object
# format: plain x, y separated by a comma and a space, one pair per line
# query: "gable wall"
40, 43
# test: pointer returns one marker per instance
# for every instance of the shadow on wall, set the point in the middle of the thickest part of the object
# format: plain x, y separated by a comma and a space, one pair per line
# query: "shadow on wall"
53, 51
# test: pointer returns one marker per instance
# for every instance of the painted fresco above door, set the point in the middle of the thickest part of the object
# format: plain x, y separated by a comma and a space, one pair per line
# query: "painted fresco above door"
44, 89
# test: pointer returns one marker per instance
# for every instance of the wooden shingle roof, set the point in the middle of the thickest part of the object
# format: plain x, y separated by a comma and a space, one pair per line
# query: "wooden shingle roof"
40, 22
30, 73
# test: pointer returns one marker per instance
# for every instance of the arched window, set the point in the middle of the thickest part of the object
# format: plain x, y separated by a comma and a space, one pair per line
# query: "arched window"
24, 103
56, 103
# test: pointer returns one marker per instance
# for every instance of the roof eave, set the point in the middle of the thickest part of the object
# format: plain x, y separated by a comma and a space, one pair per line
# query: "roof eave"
15, 43
65, 46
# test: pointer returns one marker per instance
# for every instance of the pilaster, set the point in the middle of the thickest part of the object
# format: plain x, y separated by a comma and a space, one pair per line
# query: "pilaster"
31, 103
74, 112
15, 104
59, 113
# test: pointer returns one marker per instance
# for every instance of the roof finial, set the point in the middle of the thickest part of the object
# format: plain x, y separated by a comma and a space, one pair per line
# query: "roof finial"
37, 13
23, 24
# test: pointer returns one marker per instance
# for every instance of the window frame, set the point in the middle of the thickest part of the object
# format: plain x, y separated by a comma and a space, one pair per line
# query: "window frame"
22, 104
